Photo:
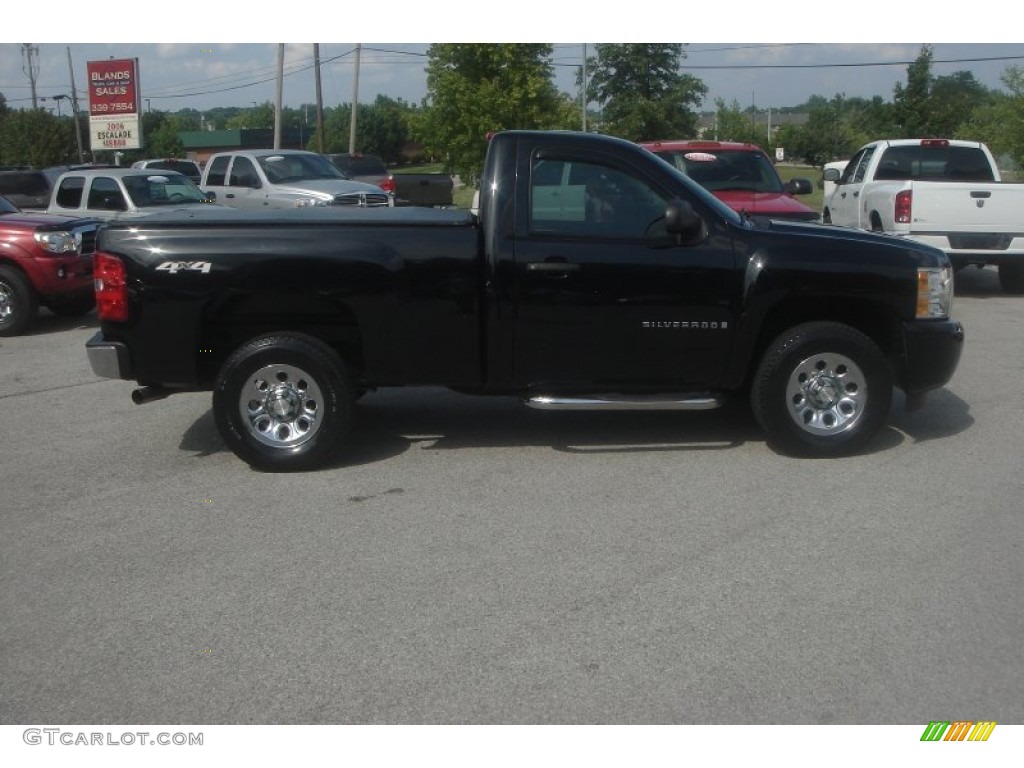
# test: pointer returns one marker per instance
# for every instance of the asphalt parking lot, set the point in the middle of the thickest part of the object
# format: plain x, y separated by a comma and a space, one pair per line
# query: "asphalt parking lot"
471, 561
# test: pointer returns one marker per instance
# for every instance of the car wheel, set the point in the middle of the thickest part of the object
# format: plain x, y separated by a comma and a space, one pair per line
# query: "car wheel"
75, 306
1011, 278
18, 303
283, 402
822, 389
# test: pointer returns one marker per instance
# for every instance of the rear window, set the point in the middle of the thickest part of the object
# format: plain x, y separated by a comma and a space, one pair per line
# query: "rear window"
934, 163
367, 165
186, 167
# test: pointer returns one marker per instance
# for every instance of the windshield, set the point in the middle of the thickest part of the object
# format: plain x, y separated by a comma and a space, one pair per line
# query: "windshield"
722, 169
148, 190
6, 206
700, 192
282, 168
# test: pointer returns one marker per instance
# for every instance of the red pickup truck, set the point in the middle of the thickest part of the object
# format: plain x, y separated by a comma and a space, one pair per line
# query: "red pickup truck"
44, 259
740, 175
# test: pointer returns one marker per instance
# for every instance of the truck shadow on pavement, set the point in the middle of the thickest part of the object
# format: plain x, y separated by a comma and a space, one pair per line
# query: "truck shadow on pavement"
390, 422
47, 322
977, 283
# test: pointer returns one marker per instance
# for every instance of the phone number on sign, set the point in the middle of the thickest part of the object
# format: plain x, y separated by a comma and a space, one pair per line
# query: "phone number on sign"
117, 107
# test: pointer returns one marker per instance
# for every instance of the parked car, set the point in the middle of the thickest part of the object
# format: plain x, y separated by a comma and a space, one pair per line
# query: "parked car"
109, 193
262, 179
189, 168
740, 175
423, 189
44, 259
946, 193
368, 168
26, 189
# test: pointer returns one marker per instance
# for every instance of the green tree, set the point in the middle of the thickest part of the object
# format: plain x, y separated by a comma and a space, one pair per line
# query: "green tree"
643, 93
1000, 122
473, 89
731, 124
36, 137
383, 128
912, 101
259, 116
951, 101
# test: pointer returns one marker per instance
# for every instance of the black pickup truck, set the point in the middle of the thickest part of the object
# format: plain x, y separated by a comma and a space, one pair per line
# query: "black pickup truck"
596, 276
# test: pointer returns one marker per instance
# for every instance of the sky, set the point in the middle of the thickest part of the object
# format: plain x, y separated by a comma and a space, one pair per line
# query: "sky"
774, 65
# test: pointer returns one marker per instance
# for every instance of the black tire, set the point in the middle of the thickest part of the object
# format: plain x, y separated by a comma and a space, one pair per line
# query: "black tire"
822, 389
283, 403
18, 302
1011, 278
73, 306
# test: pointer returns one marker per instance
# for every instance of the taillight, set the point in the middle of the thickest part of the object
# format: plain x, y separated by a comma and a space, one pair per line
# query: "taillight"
388, 185
934, 142
901, 210
111, 288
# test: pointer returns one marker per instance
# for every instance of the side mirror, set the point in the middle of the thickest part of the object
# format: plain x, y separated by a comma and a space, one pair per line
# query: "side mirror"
799, 186
210, 197
684, 222
831, 174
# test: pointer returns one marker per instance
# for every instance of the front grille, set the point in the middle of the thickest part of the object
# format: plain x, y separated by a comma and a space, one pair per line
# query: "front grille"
362, 199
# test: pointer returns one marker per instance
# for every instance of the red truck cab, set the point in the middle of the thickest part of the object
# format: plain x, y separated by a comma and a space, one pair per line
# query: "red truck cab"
44, 259
740, 175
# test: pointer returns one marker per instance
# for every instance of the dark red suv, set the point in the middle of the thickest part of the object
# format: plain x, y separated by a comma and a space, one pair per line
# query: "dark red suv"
740, 175
44, 259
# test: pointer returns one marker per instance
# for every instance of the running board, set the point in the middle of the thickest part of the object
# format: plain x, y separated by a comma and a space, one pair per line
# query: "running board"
674, 402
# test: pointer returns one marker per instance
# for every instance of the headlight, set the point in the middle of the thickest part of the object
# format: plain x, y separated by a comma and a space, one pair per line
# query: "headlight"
934, 292
308, 202
57, 242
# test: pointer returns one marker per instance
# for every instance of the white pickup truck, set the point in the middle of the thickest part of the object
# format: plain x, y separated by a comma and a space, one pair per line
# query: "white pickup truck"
941, 192
262, 179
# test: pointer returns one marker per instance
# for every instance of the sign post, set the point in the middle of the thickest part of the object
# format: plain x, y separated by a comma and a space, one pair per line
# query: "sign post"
114, 114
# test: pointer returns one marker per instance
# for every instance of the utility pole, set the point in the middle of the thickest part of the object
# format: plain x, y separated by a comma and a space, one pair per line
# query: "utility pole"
31, 68
583, 92
280, 95
319, 100
74, 108
355, 103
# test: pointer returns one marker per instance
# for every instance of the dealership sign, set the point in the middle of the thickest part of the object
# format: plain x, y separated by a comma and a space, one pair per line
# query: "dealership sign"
114, 115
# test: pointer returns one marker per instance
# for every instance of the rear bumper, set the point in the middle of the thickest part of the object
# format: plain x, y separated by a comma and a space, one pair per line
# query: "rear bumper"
931, 354
109, 359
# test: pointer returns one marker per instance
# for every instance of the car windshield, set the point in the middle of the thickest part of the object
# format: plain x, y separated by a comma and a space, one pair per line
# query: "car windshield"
148, 190
725, 169
6, 206
283, 168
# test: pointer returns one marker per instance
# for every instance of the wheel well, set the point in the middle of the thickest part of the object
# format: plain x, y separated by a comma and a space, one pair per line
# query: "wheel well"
875, 321
227, 326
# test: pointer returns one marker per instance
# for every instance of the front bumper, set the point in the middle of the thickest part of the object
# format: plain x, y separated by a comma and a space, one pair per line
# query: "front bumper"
109, 359
931, 354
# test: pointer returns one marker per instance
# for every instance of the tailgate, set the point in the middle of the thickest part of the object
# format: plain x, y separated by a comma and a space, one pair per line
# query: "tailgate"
968, 209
